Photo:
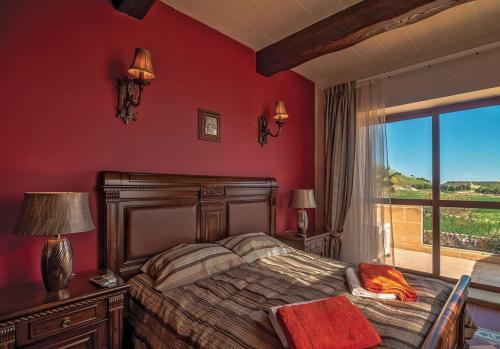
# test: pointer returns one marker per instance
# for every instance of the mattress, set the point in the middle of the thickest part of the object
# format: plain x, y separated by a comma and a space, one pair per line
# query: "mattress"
231, 309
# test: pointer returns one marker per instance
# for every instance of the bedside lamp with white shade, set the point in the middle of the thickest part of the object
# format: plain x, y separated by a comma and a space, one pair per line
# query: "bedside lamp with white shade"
301, 199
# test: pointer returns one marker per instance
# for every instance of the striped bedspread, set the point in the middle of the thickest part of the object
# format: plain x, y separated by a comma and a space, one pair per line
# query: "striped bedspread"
230, 310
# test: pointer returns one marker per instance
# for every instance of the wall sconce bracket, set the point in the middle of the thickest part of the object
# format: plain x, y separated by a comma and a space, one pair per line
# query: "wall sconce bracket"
129, 97
264, 131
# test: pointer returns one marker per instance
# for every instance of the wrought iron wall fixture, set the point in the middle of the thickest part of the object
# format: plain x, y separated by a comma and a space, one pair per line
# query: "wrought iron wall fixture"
130, 91
280, 116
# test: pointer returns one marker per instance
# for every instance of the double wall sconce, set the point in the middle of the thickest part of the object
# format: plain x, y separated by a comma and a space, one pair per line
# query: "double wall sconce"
130, 90
280, 116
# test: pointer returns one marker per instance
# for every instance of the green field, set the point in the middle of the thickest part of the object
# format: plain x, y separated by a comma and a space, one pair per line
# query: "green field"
466, 221
401, 186
427, 194
473, 228
479, 226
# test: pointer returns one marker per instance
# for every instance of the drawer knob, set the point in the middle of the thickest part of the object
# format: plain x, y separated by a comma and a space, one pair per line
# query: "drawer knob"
65, 322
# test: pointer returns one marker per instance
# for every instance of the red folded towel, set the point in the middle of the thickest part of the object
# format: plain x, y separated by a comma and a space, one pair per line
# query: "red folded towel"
386, 279
331, 323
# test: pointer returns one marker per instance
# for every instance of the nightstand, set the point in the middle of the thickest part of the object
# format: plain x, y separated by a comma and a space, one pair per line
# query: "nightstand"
317, 243
81, 316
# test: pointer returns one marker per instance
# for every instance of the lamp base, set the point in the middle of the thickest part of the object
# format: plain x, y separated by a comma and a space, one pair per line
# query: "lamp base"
57, 263
302, 223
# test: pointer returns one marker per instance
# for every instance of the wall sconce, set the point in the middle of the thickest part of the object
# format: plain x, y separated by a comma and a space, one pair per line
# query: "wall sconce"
280, 115
130, 90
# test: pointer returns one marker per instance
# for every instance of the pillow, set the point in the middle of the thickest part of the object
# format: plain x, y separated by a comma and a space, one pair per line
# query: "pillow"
252, 246
188, 263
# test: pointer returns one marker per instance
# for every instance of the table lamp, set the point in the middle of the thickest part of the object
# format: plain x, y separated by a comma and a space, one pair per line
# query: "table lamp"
301, 199
55, 214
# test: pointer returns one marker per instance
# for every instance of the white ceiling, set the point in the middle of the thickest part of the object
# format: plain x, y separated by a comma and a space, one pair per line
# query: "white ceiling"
258, 23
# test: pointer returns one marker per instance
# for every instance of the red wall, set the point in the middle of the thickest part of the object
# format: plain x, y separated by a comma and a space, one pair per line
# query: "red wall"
58, 127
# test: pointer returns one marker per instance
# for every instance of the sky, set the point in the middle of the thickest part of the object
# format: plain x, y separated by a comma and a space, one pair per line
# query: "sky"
470, 145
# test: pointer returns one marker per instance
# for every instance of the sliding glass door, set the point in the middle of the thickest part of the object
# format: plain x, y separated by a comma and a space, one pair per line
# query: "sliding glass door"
443, 185
408, 184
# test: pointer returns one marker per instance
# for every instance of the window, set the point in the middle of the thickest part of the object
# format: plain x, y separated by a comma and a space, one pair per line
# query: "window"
443, 181
470, 154
410, 158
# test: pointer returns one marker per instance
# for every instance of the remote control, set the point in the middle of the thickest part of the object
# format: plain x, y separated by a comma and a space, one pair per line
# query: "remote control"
104, 280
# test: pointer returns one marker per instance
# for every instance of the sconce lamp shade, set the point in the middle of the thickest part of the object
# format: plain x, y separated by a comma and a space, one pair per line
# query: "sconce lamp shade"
280, 113
46, 214
142, 66
303, 198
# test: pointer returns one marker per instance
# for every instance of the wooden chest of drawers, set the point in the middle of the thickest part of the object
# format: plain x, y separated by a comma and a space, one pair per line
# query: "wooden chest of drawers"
317, 243
82, 316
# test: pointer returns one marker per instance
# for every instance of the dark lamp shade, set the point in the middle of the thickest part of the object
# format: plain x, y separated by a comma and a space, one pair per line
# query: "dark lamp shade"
280, 111
142, 66
303, 198
45, 214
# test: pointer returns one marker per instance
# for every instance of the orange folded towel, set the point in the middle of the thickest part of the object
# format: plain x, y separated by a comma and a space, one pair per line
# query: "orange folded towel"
331, 323
386, 279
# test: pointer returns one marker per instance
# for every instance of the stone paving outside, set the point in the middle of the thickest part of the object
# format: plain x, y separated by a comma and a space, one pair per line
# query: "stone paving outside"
480, 271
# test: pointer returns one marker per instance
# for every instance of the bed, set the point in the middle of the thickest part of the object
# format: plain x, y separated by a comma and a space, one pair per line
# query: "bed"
148, 213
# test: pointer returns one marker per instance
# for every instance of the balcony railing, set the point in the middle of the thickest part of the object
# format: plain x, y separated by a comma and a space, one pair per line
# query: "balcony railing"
470, 241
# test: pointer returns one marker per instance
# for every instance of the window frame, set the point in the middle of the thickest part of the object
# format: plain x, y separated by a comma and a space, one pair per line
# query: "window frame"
436, 202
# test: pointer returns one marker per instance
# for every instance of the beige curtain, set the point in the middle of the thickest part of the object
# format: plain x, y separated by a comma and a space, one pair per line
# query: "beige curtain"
367, 227
340, 133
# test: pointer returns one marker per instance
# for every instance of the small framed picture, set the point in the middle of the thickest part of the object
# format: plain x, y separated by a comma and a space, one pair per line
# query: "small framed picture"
208, 125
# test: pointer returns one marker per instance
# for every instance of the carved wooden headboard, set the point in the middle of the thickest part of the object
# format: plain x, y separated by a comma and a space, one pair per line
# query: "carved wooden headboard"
148, 213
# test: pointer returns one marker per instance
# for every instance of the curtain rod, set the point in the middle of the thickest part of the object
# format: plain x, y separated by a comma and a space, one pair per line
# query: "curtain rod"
430, 63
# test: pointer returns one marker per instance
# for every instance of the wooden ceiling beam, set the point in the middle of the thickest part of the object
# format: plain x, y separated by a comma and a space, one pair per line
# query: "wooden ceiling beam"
135, 8
346, 28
